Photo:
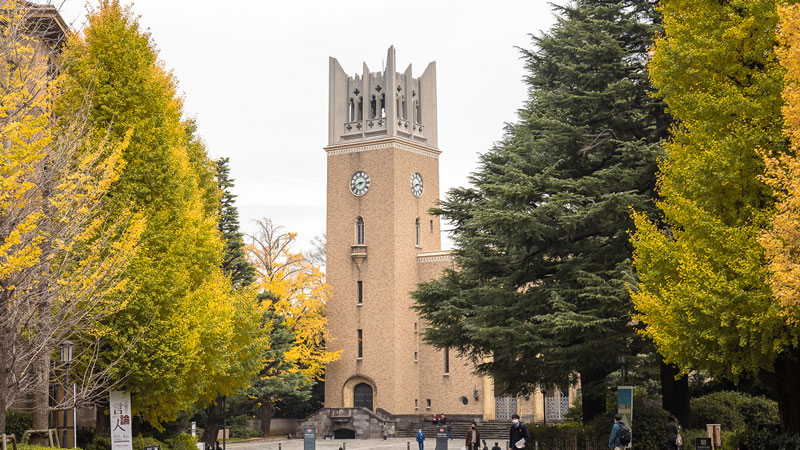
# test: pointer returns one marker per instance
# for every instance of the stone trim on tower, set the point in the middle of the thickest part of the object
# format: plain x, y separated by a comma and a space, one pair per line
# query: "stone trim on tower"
412, 147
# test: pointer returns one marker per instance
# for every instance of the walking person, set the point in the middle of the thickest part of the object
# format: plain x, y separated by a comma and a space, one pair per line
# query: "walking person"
674, 440
620, 434
519, 437
421, 439
473, 437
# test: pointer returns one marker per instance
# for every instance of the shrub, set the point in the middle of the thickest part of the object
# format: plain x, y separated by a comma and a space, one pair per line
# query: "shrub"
759, 410
99, 443
140, 442
649, 426
649, 429
36, 447
17, 422
764, 440
735, 411
182, 442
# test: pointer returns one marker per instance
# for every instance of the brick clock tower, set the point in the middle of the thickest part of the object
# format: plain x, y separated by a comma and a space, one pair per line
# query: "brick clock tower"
383, 178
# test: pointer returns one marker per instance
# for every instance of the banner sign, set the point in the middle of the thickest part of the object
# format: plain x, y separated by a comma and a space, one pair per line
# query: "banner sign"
625, 406
120, 410
625, 403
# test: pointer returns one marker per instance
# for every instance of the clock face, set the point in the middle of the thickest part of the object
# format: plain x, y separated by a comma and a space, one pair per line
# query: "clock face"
359, 184
416, 184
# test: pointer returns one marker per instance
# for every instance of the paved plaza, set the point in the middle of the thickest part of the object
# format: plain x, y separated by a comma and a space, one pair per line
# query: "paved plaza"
351, 444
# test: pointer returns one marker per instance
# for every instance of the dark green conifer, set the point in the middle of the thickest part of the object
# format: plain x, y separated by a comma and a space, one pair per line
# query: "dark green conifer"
235, 263
541, 237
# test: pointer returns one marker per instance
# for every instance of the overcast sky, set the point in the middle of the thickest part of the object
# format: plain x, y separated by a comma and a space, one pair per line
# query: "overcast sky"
255, 76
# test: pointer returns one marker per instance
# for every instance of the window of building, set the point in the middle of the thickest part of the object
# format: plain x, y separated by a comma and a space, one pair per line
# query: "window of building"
360, 108
360, 286
373, 108
428, 403
360, 343
416, 232
351, 113
464, 400
415, 356
360, 230
416, 403
446, 360
415, 327
431, 226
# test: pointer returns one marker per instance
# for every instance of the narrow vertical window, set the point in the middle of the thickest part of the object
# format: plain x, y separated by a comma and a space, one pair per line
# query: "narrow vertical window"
415, 327
446, 360
360, 286
419, 113
352, 111
415, 356
360, 230
360, 108
428, 403
416, 232
373, 108
360, 343
383, 105
416, 403
431, 226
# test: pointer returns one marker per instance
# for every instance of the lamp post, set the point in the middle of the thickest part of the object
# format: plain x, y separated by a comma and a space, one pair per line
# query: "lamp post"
66, 358
224, 423
544, 405
623, 361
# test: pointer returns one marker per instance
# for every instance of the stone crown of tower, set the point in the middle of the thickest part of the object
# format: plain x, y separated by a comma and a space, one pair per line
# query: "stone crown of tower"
376, 105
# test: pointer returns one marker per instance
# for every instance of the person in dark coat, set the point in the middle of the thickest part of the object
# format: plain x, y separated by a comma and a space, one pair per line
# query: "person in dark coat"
518, 432
473, 437
673, 430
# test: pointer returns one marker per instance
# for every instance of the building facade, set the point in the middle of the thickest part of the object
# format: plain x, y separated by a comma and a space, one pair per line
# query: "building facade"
382, 181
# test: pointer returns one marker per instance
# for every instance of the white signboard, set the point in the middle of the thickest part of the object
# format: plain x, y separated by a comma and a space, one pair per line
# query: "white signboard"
120, 410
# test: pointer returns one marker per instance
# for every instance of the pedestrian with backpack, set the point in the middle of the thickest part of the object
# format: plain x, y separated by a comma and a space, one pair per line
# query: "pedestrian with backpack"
620, 434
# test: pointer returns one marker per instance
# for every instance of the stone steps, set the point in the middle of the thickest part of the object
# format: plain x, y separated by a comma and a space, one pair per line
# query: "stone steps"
490, 431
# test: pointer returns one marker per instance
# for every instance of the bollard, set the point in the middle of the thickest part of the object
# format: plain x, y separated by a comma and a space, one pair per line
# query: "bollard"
344, 446
408, 445
279, 446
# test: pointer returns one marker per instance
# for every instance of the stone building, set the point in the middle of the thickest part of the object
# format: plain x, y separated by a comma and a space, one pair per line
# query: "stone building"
383, 178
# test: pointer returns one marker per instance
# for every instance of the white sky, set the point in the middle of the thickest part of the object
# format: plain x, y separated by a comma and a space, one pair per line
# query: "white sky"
255, 75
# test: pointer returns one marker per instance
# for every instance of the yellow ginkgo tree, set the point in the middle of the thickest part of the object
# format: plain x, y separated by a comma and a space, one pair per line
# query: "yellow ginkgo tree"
293, 295
61, 254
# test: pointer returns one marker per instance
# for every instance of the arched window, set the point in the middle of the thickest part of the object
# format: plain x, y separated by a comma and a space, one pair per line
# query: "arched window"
360, 108
360, 230
416, 232
373, 108
383, 105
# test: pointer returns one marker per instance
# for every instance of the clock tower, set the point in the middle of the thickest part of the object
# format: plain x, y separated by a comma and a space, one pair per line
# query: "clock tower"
382, 180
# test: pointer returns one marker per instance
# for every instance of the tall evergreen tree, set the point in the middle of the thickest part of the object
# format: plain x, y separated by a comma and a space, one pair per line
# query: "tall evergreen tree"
541, 239
235, 263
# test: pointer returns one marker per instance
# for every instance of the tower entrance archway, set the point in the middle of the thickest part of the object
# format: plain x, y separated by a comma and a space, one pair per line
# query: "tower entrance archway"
362, 396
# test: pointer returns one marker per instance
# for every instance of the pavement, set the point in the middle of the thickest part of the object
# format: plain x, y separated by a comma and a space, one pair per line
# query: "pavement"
346, 444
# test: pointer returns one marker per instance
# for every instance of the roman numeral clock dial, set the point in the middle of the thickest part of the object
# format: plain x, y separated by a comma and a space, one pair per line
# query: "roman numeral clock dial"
416, 184
359, 184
